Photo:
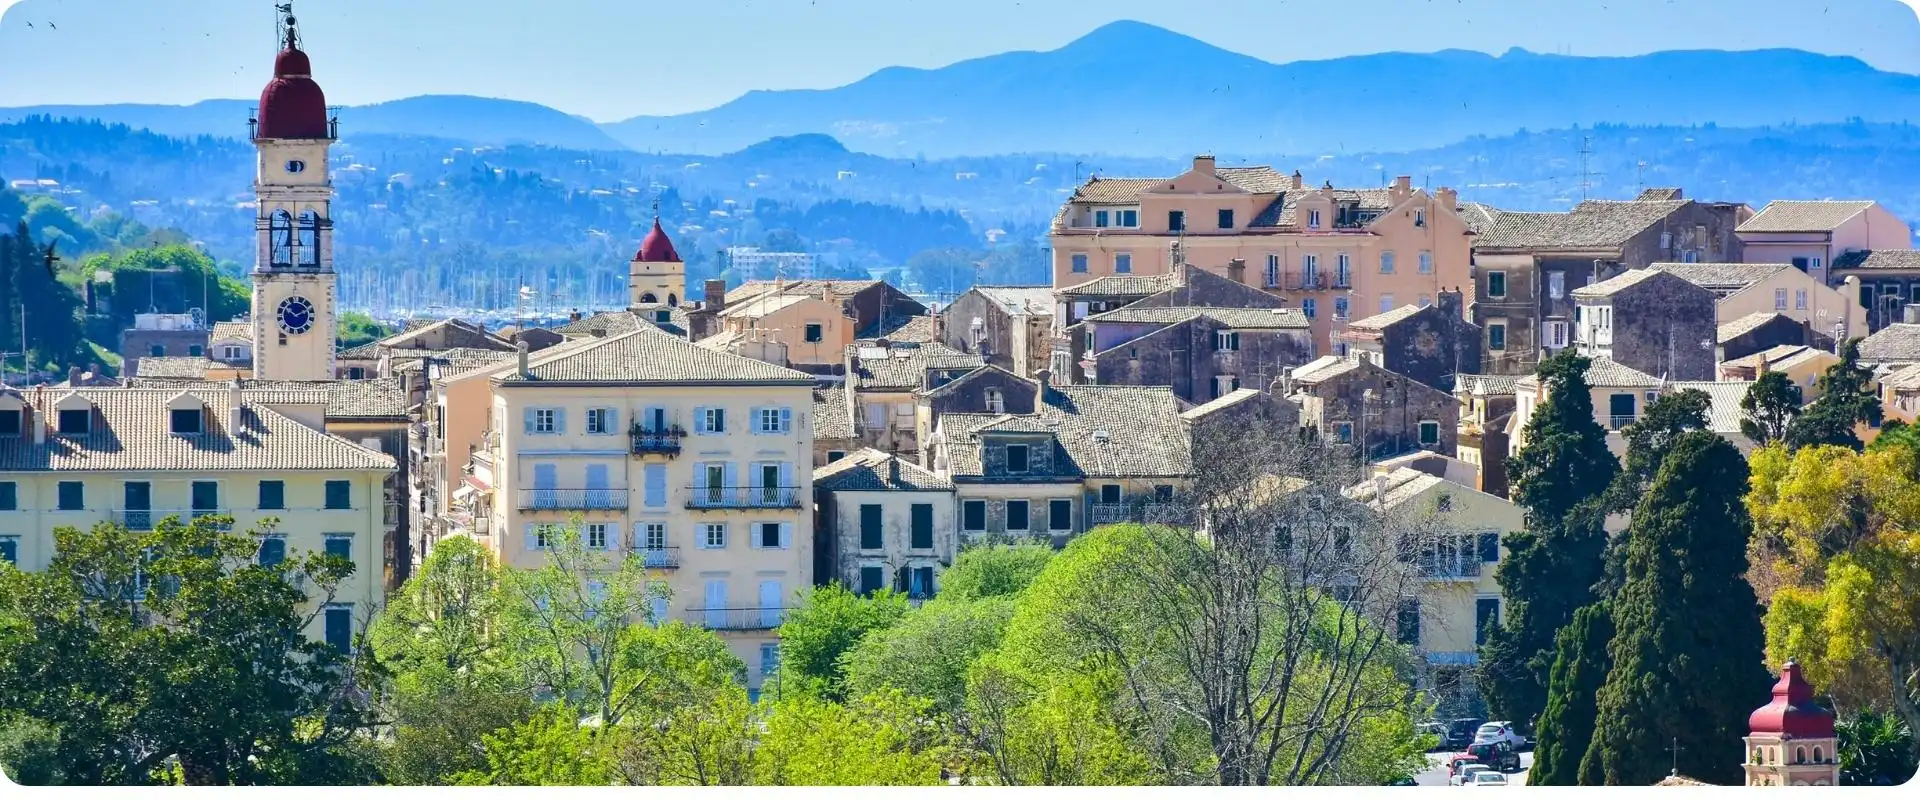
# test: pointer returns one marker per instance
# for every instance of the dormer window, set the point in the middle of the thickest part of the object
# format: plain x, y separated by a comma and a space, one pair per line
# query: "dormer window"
663, 316
76, 421
185, 421
996, 403
1016, 458
12, 418
1313, 219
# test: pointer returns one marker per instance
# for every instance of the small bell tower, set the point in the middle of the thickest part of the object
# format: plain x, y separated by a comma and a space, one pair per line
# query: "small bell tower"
656, 276
1791, 740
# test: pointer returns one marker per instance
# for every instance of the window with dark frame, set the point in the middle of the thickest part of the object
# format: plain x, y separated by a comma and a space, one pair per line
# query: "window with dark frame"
814, 332
1060, 515
339, 495
1017, 517
273, 496
870, 534
76, 421
922, 533
185, 421
1016, 458
10, 421
973, 515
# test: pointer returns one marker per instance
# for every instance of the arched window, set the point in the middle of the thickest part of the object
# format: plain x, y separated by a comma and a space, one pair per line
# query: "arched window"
673, 301
1799, 755
1757, 757
280, 239
307, 254
1816, 755
647, 297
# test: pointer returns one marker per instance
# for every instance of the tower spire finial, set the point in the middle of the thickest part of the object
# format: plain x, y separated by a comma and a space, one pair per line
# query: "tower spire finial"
289, 31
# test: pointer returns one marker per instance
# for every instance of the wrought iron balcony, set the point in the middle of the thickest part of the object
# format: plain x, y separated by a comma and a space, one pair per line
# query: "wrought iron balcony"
1618, 421
1110, 513
743, 497
661, 442
573, 499
736, 619
1468, 570
659, 557
143, 519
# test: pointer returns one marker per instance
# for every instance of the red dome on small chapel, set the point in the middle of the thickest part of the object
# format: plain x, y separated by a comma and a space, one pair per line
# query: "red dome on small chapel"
292, 105
1792, 712
656, 247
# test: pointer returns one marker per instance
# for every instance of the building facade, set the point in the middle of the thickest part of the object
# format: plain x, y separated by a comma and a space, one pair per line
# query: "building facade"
1011, 327
883, 522
1813, 235
1430, 344
1351, 400
293, 317
1652, 321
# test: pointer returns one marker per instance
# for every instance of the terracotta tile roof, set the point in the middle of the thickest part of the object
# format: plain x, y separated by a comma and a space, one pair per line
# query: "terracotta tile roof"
1485, 384
1906, 378
371, 398
1660, 193
133, 433
1379, 322
1898, 343
1803, 216
1120, 286
1616, 284
1402, 484
453, 360
1282, 212
1019, 299
1098, 432
912, 329
1745, 325
905, 368
1221, 403
805, 288
762, 306
648, 355
979, 372
174, 367
1780, 358
1324, 367
832, 419
1723, 408
1258, 180
1879, 259
1722, 277
1591, 225
231, 330
870, 470
1602, 373
1240, 318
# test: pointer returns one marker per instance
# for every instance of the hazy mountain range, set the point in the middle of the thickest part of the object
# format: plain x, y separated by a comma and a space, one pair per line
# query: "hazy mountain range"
1130, 88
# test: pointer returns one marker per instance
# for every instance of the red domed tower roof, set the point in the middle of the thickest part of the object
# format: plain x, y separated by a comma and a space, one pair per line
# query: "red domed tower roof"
656, 247
1792, 712
292, 105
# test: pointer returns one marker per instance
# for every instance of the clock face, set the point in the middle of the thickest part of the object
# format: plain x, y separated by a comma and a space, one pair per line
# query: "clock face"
296, 167
296, 315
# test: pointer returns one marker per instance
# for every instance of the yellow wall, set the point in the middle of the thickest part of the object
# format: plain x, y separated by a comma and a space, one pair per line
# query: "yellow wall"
788, 326
1824, 308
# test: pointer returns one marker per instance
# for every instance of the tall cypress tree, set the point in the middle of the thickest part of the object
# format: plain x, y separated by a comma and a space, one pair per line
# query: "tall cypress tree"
1560, 478
1688, 652
1580, 667
1847, 398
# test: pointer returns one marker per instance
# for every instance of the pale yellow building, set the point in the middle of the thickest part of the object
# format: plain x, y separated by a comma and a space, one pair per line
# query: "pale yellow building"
1801, 364
1743, 289
1459, 597
697, 461
137, 456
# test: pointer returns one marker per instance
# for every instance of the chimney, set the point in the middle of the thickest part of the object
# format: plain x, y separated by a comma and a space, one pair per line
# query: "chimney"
235, 402
574, 316
1299, 182
38, 415
1237, 270
716, 291
520, 350
939, 325
1910, 314
73, 376
893, 469
1447, 197
1042, 377
1402, 189
1203, 163
1450, 301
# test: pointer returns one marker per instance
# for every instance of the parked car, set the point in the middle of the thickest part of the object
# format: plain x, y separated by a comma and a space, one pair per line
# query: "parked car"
1439, 733
1500, 731
1488, 779
1497, 755
1460, 732
1467, 769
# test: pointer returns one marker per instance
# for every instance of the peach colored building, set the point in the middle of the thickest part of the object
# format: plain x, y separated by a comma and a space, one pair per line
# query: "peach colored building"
1812, 234
1336, 254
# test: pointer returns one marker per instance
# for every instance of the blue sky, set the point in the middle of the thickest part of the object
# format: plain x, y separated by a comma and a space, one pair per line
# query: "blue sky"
610, 59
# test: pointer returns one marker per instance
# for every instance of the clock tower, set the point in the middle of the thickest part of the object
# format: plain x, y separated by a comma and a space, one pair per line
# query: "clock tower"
293, 278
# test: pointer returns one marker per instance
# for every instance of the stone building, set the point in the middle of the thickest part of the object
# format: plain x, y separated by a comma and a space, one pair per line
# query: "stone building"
1350, 400
160, 336
1487, 404
1527, 263
1011, 327
984, 390
1889, 280
1203, 353
882, 522
1430, 344
1762, 331
1652, 321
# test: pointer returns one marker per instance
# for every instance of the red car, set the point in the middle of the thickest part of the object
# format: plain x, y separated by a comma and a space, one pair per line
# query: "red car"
1498, 755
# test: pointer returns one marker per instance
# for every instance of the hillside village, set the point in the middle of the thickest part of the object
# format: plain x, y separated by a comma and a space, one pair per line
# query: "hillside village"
1516, 431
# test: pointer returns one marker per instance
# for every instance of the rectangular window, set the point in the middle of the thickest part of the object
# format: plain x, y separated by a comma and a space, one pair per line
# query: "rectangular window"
340, 545
920, 582
339, 495
185, 421
546, 420
273, 495
1800, 299
600, 420
1273, 270
1079, 261
768, 420
836, 455
1343, 432
1017, 515
1496, 284
870, 535
10, 549
1409, 622
273, 550
597, 535
973, 515
1309, 307
10, 420
1110, 493
1123, 262
1556, 285
872, 579
195, 351
1386, 262
1226, 218
205, 495
1779, 299
713, 535
1556, 333
814, 333
1342, 271
922, 532
1100, 219
1339, 308
1497, 336
653, 536
1313, 220
1419, 218
1059, 515
1129, 218
713, 420
73, 496
1426, 262
9, 496
1489, 547
1429, 432
1801, 263
1486, 614
1386, 303
1310, 269
1224, 385
654, 486
1226, 340
76, 422
1176, 221
1016, 458
340, 629
769, 534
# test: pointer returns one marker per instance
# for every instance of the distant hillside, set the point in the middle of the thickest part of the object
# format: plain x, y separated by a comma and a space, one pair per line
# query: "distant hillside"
477, 120
1130, 88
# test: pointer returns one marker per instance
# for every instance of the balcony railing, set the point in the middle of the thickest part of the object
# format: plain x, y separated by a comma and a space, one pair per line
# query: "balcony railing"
736, 619
743, 497
1618, 421
1466, 571
1109, 513
659, 557
661, 442
573, 499
143, 519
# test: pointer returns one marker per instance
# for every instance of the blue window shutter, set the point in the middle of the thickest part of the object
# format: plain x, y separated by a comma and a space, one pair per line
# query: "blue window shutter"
753, 535
753, 420
559, 420
527, 421
699, 419
533, 538
700, 475
786, 420
753, 476
597, 476
732, 474
655, 413
656, 483
612, 419
786, 535
786, 474
546, 476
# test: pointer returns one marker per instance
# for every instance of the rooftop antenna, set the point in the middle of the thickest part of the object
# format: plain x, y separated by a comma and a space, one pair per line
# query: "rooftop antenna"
1586, 171
1640, 174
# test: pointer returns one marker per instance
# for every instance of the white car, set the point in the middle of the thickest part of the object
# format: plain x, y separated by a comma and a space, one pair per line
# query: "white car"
1471, 771
1488, 778
1499, 732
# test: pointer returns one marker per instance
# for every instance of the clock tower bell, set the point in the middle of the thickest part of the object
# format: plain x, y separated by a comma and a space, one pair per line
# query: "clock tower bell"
293, 277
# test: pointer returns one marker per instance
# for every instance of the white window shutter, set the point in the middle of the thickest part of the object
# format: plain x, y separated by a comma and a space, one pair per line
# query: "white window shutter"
786, 535
786, 474
533, 540
732, 474
753, 535
753, 475
700, 475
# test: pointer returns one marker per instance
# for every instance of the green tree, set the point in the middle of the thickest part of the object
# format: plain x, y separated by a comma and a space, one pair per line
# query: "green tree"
1846, 399
1876, 750
695, 745
1579, 668
357, 328
1688, 653
1769, 407
885, 739
168, 279
1560, 478
30, 751
929, 652
175, 647
828, 623
551, 749
994, 570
